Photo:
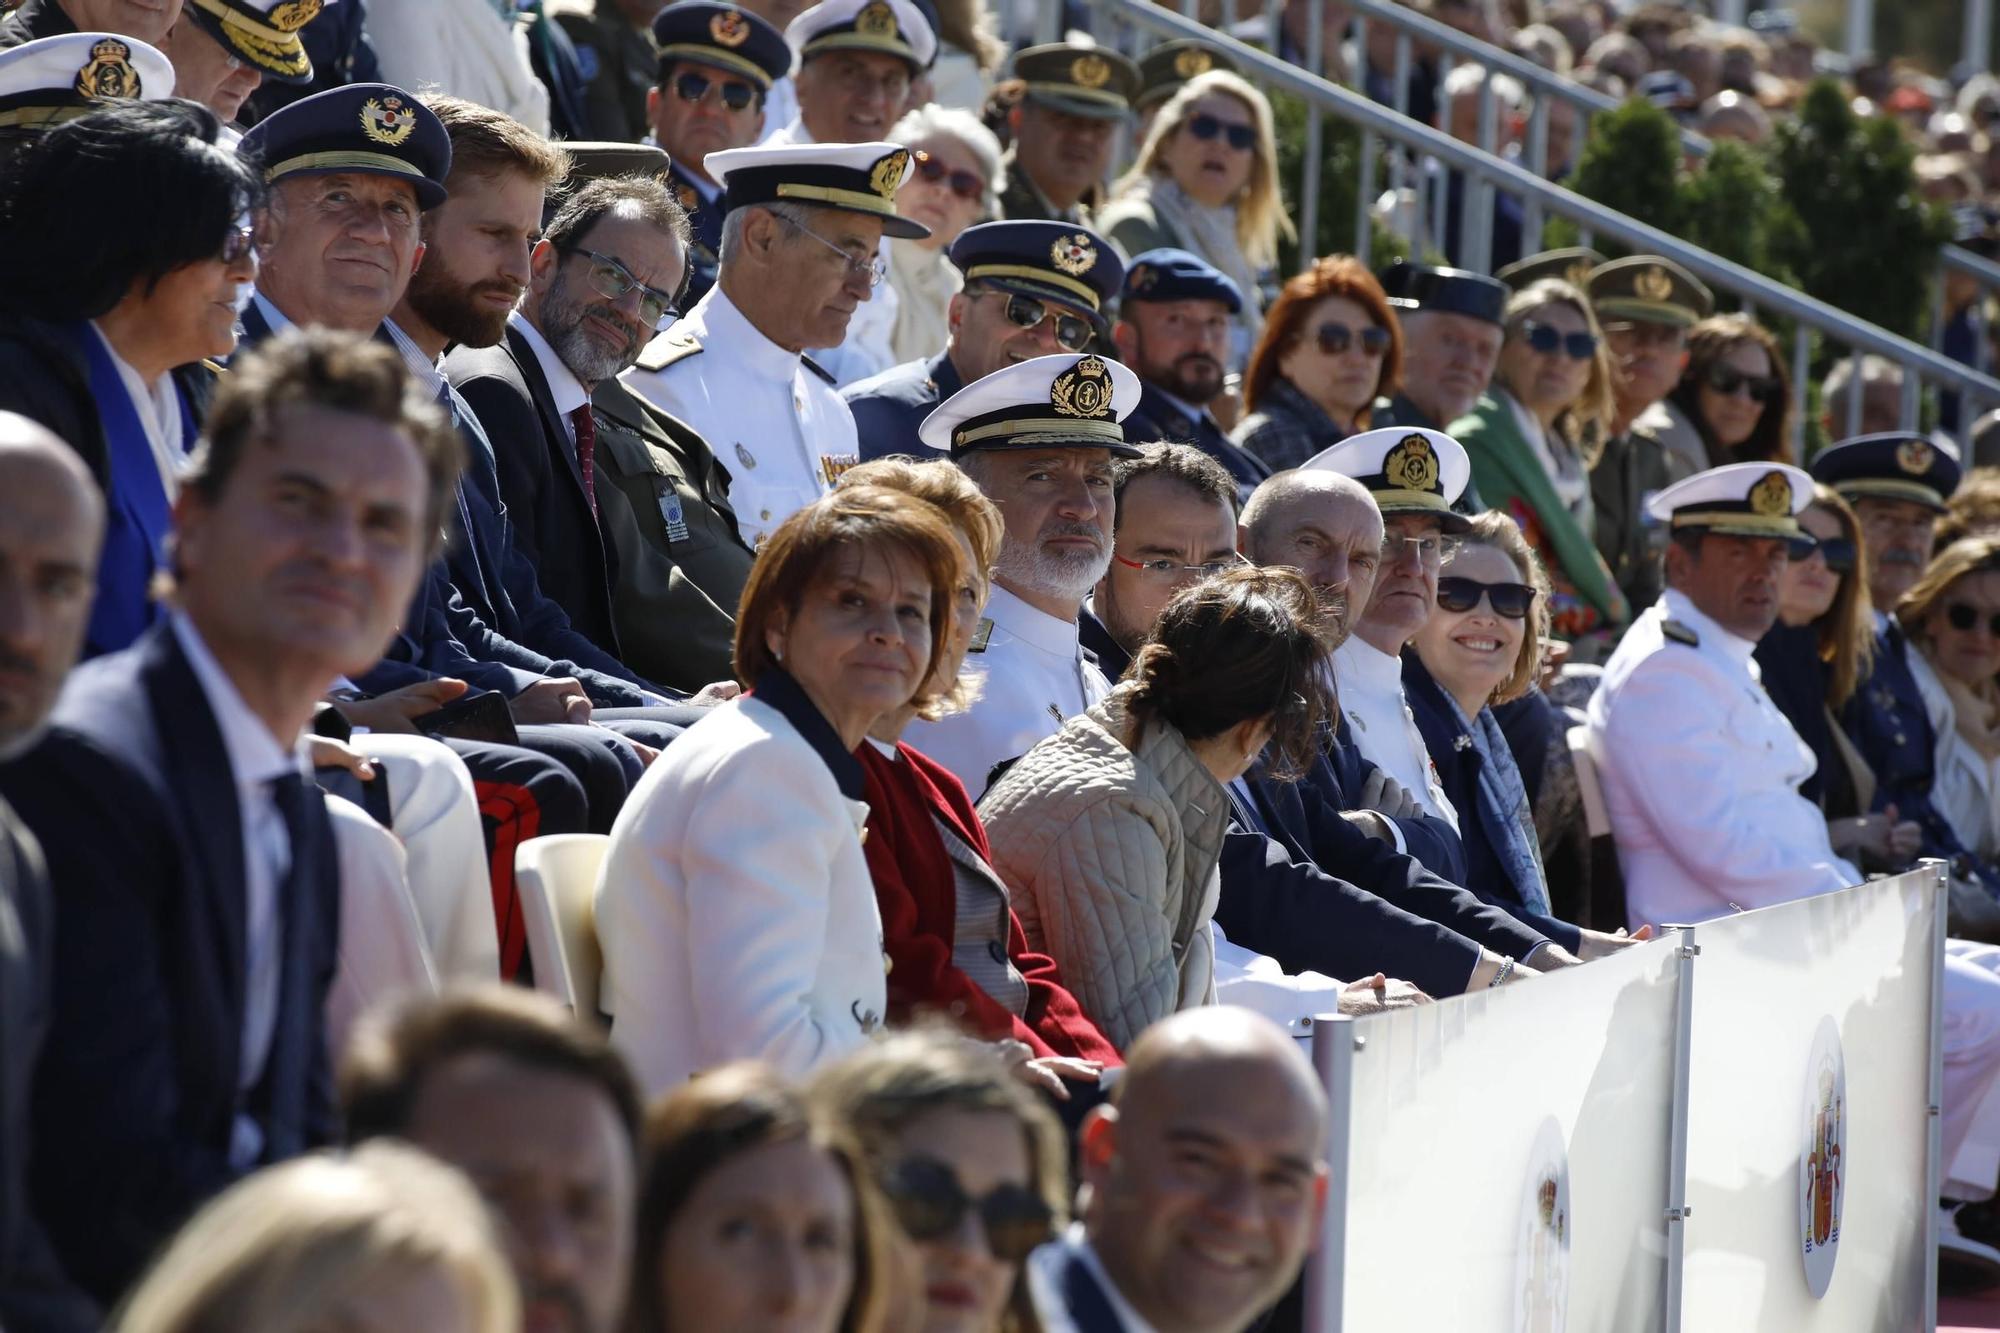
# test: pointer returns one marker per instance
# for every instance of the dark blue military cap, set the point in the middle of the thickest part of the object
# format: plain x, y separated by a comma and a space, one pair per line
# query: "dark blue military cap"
1896, 465
1176, 275
366, 127
722, 36
1449, 291
1049, 260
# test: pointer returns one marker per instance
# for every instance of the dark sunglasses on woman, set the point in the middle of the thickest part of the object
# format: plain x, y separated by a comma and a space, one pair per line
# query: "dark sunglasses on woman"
1206, 127
237, 244
1025, 312
931, 1204
1838, 553
1546, 338
1510, 600
1335, 338
1727, 380
692, 87
1963, 618
962, 183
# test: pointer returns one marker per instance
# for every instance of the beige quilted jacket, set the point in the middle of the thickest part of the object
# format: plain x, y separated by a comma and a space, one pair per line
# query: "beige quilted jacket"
1110, 854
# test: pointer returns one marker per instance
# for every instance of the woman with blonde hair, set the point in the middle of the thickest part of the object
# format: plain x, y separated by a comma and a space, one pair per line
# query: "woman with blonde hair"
381, 1240
1206, 181
1952, 616
1535, 435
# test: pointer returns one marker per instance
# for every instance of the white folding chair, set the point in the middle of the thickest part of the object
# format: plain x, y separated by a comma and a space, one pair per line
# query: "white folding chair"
557, 879
1598, 822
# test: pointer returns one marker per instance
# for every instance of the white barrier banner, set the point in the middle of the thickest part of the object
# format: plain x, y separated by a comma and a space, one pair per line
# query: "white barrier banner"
1509, 1153
1808, 1120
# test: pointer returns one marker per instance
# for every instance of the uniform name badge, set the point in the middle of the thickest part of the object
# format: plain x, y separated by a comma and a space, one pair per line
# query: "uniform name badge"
673, 515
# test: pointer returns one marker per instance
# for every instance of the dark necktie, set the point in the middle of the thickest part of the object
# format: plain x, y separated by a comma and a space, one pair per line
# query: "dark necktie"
586, 453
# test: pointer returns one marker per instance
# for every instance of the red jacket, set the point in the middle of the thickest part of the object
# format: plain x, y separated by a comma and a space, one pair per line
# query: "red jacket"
918, 897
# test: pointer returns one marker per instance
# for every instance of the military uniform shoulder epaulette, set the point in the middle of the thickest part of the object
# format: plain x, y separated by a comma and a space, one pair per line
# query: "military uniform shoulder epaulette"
670, 347
819, 370
1680, 633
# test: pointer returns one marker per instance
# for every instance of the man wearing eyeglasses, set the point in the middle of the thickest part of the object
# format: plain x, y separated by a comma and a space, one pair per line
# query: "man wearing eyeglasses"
717, 63
1173, 330
1031, 289
801, 227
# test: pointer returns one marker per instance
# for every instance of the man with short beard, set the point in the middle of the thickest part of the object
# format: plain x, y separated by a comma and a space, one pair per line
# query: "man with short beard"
1173, 330
1039, 439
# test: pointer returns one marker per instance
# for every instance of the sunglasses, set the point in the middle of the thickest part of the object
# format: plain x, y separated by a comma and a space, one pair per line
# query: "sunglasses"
237, 244
1545, 338
1963, 617
611, 280
1510, 600
931, 1204
1335, 339
962, 183
1724, 380
1073, 332
1838, 553
691, 87
1206, 127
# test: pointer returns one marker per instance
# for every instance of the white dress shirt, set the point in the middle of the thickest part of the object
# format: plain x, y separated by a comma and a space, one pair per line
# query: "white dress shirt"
780, 431
1034, 677
1701, 776
1370, 684
256, 759
565, 389
429, 373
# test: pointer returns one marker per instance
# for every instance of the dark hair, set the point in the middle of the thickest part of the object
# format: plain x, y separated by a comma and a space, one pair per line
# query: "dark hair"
803, 549
700, 1127
392, 1055
637, 198
1708, 341
125, 194
1284, 326
342, 372
1244, 644
1172, 462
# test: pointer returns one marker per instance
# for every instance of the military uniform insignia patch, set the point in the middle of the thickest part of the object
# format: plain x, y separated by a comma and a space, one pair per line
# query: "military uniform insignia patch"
1074, 255
388, 121
729, 29
1084, 390
1914, 457
1190, 63
1091, 71
888, 173
1412, 465
1653, 284
1772, 496
109, 73
876, 20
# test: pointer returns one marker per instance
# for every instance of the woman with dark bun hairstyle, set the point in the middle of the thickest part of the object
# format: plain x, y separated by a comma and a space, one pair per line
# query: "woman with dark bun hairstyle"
1109, 832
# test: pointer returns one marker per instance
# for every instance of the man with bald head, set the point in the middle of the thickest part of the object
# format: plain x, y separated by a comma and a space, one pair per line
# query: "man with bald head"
1206, 1177
51, 524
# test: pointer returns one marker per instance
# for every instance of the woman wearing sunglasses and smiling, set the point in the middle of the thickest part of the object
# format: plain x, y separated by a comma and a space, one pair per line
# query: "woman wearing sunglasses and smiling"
1953, 618
973, 1166
956, 182
1331, 346
1735, 392
1206, 181
1534, 436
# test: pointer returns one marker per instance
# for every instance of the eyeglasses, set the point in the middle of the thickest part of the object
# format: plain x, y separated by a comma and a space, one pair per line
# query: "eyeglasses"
1510, 600
237, 243
1206, 127
1546, 338
963, 183
1335, 338
1838, 553
931, 1204
1963, 617
872, 268
1430, 550
611, 280
1073, 332
692, 87
1174, 569
1727, 380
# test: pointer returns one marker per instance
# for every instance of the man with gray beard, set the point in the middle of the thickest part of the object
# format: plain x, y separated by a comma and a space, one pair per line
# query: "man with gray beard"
1039, 438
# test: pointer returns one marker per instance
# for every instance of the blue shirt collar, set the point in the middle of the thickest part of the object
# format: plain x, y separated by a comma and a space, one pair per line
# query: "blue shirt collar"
777, 688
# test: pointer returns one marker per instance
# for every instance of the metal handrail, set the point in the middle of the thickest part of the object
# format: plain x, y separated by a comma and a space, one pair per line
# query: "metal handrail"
1754, 289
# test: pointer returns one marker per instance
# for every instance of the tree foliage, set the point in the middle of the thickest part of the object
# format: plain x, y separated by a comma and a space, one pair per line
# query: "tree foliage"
1631, 163
1339, 185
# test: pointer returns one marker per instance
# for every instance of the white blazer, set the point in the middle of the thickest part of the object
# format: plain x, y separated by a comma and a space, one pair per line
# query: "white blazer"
735, 909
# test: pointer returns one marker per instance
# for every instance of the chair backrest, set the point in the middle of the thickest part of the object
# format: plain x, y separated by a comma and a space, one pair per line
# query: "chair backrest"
1595, 819
557, 877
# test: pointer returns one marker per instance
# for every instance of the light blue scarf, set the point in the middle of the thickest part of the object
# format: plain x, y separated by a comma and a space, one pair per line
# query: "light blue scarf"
1504, 809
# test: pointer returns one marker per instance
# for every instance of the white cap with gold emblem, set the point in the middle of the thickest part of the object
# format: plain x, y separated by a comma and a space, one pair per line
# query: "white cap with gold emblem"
1409, 470
890, 27
1051, 400
1738, 500
854, 177
55, 79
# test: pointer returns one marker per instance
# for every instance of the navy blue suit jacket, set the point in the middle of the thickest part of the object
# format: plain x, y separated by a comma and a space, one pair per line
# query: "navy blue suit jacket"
889, 407
135, 1098
1344, 776
1158, 417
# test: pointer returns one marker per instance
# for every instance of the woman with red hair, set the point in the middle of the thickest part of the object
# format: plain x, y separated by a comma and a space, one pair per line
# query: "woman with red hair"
1330, 347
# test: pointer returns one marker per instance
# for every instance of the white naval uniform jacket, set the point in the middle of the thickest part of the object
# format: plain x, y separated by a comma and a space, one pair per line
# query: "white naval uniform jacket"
778, 428
1701, 775
735, 908
1036, 676
1369, 683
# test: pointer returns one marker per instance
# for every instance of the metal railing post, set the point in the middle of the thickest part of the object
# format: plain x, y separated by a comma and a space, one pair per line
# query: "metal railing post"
1314, 147
1801, 363
1538, 162
1934, 1150
1677, 1209
1364, 212
1334, 1043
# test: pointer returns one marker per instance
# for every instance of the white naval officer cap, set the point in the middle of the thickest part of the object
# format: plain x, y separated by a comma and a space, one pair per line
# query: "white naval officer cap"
53, 79
1737, 500
891, 27
853, 177
1051, 400
1408, 469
